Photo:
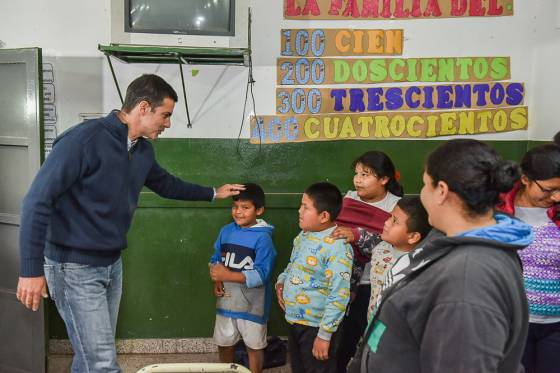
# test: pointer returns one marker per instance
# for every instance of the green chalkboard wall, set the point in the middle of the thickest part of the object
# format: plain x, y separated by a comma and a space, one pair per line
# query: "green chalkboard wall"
167, 291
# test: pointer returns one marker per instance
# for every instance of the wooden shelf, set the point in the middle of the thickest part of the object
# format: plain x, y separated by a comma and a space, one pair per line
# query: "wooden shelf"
130, 53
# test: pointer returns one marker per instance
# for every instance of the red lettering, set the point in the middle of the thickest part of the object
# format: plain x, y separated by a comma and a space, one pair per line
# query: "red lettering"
416, 8
432, 9
399, 9
458, 7
476, 8
351, 9
291, 9
312, 7
386, 12
335, 7
493, 9
399, 12
369, 8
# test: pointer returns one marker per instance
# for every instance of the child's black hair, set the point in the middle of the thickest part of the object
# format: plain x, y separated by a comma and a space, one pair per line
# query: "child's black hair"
325, 197
474, 171
542, 162
253, 193
417, 215
381, 164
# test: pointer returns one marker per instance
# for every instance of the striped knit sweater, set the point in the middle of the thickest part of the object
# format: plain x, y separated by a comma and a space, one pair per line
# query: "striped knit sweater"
541, 261
541, 270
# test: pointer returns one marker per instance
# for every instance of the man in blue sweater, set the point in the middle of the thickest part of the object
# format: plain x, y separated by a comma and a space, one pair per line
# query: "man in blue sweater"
78, 210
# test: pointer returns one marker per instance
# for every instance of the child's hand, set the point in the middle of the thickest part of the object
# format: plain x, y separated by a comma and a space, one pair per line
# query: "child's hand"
280, 295
218, 272
320, 349
343, 233
219, 289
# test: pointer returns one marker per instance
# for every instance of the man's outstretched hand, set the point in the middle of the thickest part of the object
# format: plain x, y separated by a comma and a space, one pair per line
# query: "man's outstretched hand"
228, 190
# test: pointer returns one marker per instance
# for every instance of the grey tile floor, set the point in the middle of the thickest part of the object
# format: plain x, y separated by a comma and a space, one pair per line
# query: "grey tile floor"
131, 363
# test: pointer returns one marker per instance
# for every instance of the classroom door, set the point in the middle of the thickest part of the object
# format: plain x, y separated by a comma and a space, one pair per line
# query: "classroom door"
22, 332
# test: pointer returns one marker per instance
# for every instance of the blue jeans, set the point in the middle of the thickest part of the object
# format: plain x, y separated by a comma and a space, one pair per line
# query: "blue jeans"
87, 299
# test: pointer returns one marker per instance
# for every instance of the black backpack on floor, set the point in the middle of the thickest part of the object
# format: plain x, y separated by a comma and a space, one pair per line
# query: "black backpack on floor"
275, 353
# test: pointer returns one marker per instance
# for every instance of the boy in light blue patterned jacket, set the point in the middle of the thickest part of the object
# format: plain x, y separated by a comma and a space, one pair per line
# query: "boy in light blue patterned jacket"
314, 288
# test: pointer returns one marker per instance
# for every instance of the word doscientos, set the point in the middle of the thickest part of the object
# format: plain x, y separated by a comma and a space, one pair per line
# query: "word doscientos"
303, 71
280, 129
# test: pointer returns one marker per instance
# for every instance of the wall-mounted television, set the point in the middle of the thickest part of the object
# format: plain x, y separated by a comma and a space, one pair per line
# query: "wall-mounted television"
199, 23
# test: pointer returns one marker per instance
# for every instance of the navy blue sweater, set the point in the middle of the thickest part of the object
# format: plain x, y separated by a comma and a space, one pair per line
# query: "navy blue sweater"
80, 205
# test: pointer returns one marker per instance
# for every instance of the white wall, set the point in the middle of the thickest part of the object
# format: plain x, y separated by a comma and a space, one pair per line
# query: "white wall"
545, 84
68, 33
531, 38
60, 27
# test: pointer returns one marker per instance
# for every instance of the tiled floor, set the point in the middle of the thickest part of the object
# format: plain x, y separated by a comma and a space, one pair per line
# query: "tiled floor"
131, 363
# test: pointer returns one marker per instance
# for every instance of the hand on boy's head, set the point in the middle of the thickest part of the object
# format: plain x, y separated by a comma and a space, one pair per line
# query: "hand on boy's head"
228, 190
321, 349
343, 233
280, 295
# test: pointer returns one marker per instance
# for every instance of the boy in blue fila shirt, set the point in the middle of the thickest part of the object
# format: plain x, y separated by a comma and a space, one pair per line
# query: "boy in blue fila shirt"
240, 268
314, 288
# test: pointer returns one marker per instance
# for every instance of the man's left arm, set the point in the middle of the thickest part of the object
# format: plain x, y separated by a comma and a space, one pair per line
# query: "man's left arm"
169, 186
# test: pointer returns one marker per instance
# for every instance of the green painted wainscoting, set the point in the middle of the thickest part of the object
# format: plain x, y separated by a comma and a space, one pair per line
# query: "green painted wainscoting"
167, 291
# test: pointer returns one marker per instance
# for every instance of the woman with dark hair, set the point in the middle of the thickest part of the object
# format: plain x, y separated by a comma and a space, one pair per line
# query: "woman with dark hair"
457, 302
367, 208
535, 200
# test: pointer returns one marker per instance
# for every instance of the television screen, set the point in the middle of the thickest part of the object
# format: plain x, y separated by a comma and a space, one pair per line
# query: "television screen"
189, 17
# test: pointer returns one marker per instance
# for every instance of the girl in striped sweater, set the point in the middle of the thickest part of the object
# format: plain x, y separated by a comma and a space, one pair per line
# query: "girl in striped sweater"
535, 200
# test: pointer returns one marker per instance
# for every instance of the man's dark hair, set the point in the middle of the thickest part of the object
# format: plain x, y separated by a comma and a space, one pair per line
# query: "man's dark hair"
253, 193
417, 215
325, 197
148, 87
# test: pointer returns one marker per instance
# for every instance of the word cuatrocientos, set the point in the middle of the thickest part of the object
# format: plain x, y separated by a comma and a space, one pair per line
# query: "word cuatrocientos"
367, 126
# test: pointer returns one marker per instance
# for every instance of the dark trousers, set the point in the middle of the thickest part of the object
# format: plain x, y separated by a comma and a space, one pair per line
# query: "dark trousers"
300, 346
353, 326
542, 351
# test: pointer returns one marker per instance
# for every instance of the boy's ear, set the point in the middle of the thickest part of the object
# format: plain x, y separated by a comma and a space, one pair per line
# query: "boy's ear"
260, 211
414, 238
324, 217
